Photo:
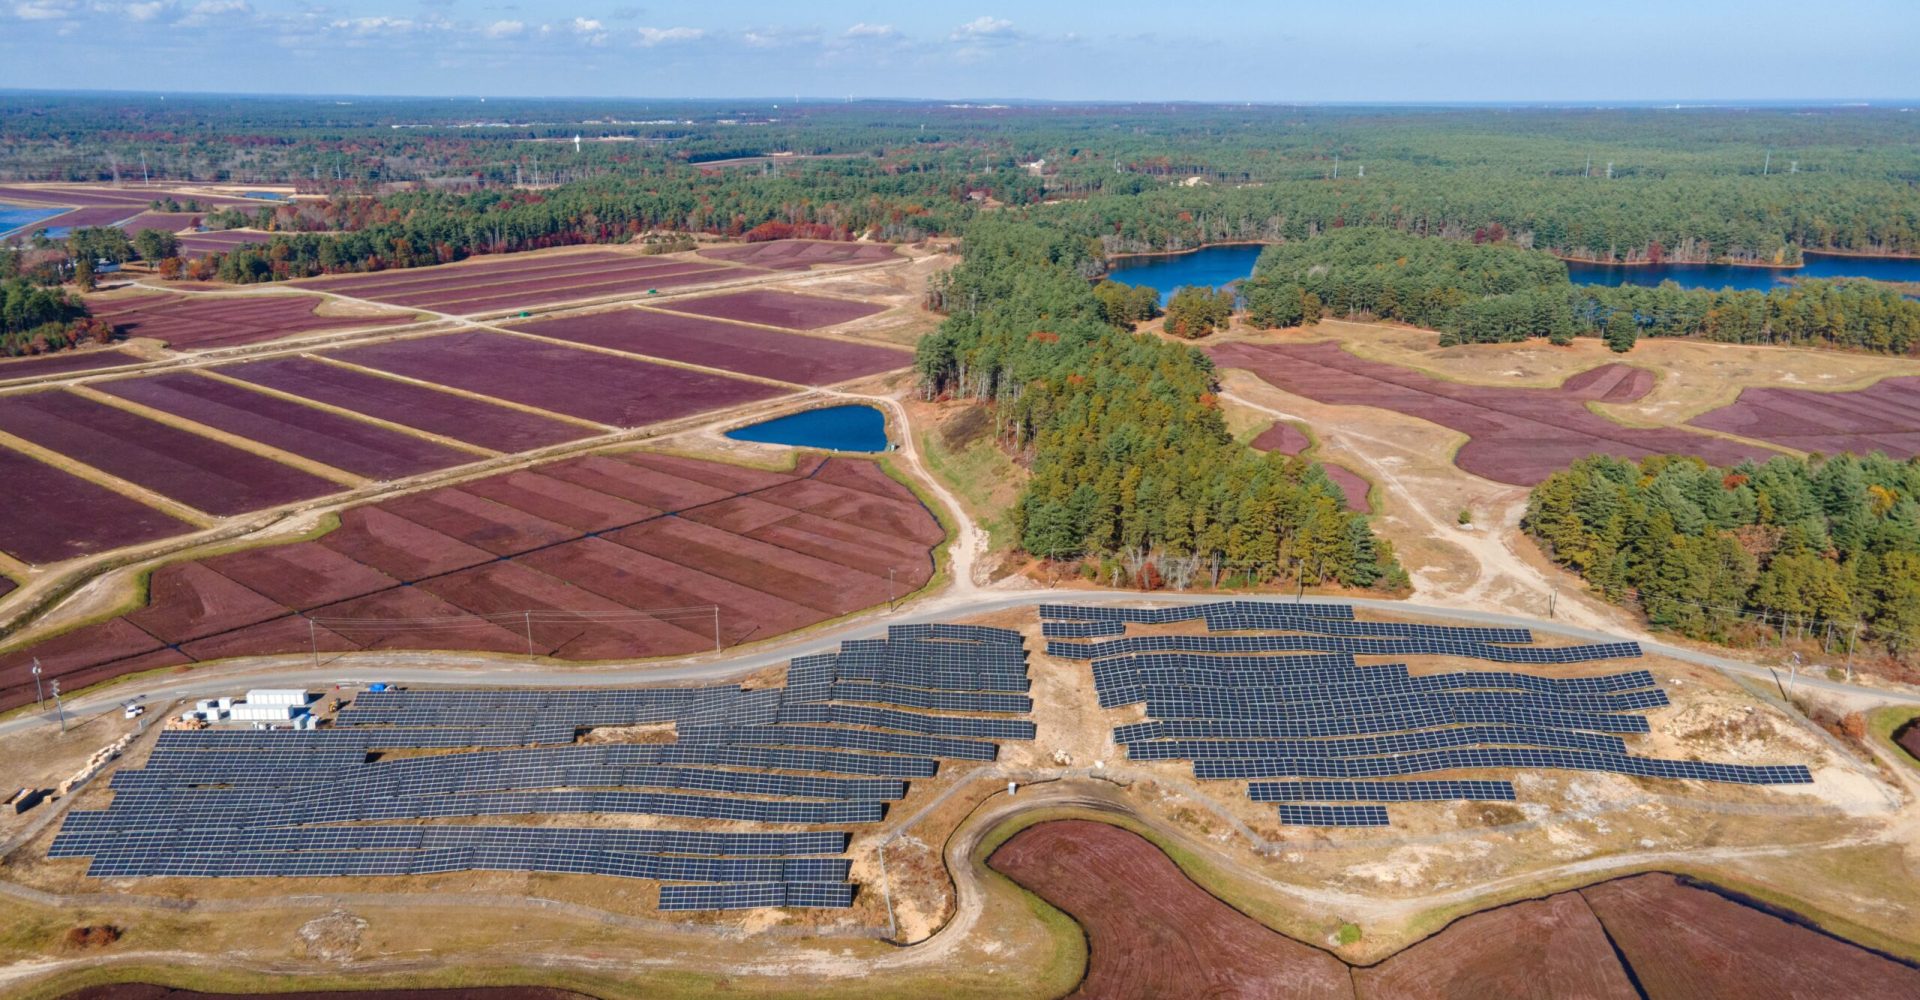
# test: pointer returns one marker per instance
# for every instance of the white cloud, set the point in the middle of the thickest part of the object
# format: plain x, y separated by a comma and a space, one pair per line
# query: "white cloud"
144, 11
590, 29
651, 37
41, 10
375, 25
865, 30
984, 28
209, 11
503, 29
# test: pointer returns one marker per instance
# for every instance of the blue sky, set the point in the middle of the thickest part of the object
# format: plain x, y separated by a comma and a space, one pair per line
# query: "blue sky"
1386, 50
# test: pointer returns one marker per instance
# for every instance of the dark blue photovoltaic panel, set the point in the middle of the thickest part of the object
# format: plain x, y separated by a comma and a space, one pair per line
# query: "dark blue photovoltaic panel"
1313, 815
830, 748
1238, 711
1381, 791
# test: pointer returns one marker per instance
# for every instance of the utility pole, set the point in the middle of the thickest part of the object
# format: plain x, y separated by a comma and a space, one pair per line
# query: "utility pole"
1766, 166
529, 615
1336, 166
890, 603
1855, 641
716, 628
58, 708
1553, 600
313, 637
39, 699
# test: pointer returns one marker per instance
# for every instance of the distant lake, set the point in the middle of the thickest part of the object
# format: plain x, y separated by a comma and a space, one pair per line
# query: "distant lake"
1718, 276
1217, 267
834, 428
1213, 267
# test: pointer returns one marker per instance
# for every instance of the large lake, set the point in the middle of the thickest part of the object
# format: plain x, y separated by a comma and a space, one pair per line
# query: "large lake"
1217, 267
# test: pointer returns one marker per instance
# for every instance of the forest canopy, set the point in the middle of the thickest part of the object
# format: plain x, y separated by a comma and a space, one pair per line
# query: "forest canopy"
1808, 547
1129, 454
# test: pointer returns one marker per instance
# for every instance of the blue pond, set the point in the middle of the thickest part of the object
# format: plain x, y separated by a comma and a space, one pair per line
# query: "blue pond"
13, 217
1717, 276
1214, 267
264, 195
835, 428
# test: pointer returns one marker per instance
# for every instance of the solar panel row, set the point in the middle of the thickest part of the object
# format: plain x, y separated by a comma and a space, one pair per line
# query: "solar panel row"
1549, 655
1347, 816
1190, 612
1374, 746
1381, 791
240, 864
1475, 759
71, 844
747, 897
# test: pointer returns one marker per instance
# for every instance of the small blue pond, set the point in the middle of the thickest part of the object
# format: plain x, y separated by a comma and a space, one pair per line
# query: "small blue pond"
264, 195
835, 428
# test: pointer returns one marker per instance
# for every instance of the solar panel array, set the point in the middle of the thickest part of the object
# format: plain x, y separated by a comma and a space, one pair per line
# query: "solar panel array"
833, 747
1340, 730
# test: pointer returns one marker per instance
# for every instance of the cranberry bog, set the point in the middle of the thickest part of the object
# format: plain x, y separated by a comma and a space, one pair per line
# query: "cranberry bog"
204, 474
149, 991
773, 307
574, 559
1152, 932
590, 385
64, 363
1517, 436
521, 281
354, 446
198, 322
802, 255
60, 516
1884, 417
409, 404
727, 346
1287, 439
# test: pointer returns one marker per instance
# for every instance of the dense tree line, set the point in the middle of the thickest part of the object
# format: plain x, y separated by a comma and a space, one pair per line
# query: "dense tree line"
35, 319
1489, 293
1805, 547
1130, 459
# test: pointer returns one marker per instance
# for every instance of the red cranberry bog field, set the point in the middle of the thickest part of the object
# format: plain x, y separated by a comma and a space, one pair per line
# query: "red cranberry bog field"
206, 475
729, 346
64, 363
566, 560
1884, 417
58, 515
199, 322
1287, 439
802, 255
591, 385
774, 307
409, 404
1152, 932
1517, 436
344, 443
522, 281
